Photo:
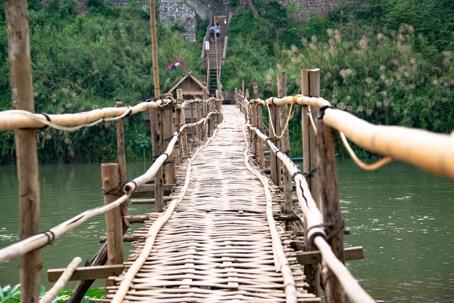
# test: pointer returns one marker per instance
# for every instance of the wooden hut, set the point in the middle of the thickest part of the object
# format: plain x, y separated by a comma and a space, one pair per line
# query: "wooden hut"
191, 86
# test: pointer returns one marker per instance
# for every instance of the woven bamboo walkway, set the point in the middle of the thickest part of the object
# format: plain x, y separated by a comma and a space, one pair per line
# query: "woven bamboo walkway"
217, 246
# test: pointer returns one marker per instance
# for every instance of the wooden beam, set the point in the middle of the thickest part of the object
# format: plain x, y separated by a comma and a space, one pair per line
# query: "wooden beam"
87, 273
149, 201
310, 86
121, 158
110, 175
314, 257
26, 154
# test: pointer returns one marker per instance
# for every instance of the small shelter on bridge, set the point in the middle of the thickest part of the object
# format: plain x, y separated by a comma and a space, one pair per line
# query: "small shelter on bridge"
191, 86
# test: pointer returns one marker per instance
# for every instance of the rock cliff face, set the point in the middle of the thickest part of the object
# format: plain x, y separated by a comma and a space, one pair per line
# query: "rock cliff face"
303, 9
183, 14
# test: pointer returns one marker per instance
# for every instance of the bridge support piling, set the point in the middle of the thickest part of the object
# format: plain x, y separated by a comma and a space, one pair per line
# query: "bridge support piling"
156, 131
285, 146
167, 133
121, 158
275, 167
110, 175
330, 207
25, 139
180, 119
310, 86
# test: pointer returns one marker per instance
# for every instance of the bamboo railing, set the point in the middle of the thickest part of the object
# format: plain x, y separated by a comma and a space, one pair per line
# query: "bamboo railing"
15, 119
316, 193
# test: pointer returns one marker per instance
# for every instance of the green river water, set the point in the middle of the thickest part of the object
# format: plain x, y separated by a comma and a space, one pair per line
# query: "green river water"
403, 217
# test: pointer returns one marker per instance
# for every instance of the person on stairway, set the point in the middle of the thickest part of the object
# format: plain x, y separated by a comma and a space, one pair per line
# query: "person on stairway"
212, 32
217, 30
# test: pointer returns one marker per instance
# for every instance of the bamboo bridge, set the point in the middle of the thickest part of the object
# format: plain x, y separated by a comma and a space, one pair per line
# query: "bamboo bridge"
234, 219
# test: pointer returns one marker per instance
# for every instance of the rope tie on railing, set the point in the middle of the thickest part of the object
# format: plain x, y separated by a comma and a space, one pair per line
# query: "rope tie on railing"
287, 121
366, 166
49, 234
322, 111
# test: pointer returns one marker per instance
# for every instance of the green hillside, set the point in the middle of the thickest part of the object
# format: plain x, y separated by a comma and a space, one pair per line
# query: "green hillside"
389, 62
90, 58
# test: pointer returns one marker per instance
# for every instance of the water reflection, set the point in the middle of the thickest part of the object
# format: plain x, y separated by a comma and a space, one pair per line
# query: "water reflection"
403, 217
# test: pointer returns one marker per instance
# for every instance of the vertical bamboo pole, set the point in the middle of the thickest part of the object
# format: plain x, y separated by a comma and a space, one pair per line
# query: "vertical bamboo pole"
330, 206
285, 145
167, 133
180, 120
199, 116
121, 156
25, 140
114, 230
275, 164
154, 48
155, 114
259, 144
310, 85
156, 130
310, 82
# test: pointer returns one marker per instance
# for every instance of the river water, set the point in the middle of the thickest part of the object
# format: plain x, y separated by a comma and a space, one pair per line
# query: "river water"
403, 217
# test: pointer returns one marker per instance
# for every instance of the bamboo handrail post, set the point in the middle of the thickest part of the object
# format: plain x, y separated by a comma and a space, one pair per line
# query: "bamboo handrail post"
121, 158
180, 120
260, 149
285, 145
310, 86
330, 207
110, 176
156, 131
199, 116
218, 104
26, 152
275, 122
167, 134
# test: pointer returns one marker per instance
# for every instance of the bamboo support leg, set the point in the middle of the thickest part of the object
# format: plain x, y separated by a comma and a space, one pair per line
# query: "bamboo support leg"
110, 184
310, 84
156, 128
25, 140
121, 156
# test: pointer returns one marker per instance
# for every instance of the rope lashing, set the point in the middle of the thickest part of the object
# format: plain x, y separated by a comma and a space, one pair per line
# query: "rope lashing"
287, 121
322, 111
366, 166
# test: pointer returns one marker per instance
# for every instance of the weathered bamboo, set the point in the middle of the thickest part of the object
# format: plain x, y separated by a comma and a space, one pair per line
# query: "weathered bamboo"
350, 285
157, 139
31, 243
430, 151
317, 235
152, 234
329, 205
285, 144
61, 282
281, 261
121, 158
167, 134
110, 177
16, 119
26, 154
154, 48
310, 85
179, 120
274, 121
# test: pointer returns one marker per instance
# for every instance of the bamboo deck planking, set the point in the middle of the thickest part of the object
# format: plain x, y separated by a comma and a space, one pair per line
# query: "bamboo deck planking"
217, 246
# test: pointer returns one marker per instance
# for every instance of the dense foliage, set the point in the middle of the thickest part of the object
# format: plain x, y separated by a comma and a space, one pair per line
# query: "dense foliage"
11, 294
89, 55
389, 62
